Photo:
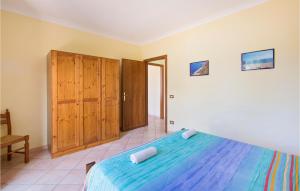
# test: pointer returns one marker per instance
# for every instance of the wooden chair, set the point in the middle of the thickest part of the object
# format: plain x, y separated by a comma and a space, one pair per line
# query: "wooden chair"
9, 140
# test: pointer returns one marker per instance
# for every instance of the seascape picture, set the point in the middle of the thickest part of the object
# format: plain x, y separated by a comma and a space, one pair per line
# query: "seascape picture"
263, 59
199, 68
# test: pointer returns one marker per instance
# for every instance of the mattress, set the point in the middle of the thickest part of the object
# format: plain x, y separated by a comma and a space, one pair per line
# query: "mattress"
203, 162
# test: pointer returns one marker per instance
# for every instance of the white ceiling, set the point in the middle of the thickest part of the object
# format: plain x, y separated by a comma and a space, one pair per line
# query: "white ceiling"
135, 21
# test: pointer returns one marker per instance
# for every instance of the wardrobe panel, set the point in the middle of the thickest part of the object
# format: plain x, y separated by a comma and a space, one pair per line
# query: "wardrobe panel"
111, 120
65, 77
66, 136
110, 98
90, 122
90, 77
91, 99
67, 101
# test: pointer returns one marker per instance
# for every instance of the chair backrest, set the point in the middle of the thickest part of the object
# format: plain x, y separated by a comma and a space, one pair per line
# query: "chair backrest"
5, 119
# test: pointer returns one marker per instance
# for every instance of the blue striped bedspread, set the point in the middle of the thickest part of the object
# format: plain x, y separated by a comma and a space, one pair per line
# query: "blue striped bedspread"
203, 162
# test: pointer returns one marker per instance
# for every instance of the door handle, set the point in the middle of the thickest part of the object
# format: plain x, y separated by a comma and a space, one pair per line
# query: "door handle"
124, 96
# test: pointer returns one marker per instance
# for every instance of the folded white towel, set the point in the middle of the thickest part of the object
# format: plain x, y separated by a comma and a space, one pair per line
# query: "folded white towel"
143, 155
188, 133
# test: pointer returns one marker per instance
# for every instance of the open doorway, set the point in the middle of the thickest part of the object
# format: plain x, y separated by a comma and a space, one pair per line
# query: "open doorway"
156, 96
156, 92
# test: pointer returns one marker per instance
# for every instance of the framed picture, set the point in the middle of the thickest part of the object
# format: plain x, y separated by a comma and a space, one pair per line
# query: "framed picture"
199, 68
257, 60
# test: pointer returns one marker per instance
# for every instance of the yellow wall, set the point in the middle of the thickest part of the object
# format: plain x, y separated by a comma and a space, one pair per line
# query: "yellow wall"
259, 107
25, 44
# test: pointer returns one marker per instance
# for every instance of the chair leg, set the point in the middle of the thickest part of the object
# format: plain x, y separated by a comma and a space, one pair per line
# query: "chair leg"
8, 151
26, 146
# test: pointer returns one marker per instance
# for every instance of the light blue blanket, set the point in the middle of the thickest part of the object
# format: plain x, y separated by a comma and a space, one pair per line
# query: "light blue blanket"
202, 162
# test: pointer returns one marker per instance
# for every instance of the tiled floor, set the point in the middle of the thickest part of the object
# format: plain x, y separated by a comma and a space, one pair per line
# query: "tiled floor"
68, 172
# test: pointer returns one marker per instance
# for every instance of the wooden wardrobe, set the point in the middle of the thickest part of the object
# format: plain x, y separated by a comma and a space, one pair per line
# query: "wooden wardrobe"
83, 101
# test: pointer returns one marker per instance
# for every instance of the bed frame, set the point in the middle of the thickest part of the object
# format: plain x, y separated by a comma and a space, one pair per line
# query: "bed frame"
88, 166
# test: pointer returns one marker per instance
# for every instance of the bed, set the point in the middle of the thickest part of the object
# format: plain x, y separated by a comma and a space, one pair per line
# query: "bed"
203, 162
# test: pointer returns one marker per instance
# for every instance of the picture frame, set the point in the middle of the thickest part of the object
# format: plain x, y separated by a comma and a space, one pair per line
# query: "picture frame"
258, 60
200, 68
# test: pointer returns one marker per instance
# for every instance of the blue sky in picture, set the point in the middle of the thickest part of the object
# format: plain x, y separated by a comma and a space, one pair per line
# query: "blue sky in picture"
196, 66
264, 56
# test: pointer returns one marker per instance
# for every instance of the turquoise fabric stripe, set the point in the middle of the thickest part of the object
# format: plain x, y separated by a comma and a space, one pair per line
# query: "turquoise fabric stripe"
172, 150
203, 162
96, 180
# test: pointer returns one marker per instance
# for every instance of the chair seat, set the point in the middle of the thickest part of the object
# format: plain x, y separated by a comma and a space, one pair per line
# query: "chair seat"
11, 139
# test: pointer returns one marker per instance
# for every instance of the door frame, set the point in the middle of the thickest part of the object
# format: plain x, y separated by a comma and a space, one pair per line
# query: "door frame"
165, 82
162, 88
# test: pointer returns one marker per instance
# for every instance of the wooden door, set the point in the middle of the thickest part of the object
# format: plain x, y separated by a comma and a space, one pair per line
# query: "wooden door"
110, 80
134, 92
68, 101
91, 99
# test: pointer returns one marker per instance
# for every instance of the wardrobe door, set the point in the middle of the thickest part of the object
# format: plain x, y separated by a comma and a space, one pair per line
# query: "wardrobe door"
67, 127
110, 80
91, 98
